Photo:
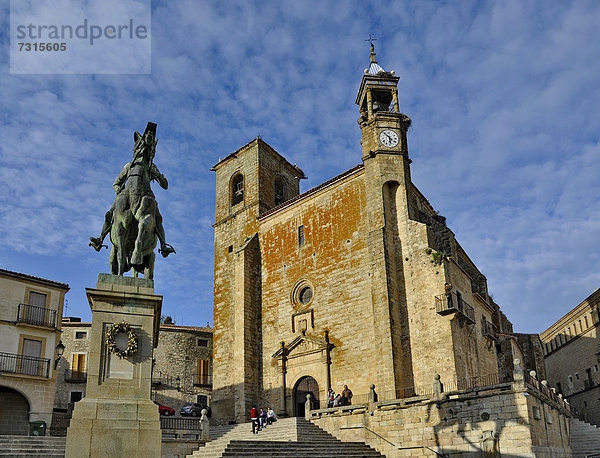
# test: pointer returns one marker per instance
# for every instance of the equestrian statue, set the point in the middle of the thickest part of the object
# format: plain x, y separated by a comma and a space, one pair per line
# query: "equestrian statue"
133, 221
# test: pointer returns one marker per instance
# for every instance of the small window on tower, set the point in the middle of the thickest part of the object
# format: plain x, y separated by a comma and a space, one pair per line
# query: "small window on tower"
202, 343
300, 235
237, 189
279, 191
80, 334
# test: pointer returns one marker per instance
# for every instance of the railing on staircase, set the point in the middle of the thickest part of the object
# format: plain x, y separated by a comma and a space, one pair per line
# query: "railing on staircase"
192, 424
396, 447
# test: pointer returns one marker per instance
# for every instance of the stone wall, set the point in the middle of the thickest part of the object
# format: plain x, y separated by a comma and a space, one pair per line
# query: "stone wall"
505, 420
237, 286
533, 353
333, 261
176, 356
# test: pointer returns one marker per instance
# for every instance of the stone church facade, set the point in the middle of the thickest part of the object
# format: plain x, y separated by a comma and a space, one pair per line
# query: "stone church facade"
358, 281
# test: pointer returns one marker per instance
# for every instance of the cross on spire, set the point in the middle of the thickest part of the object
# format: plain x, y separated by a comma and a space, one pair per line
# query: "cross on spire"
372, 57
371, 40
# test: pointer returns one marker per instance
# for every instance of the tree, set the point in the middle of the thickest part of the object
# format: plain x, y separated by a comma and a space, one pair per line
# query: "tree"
166, 319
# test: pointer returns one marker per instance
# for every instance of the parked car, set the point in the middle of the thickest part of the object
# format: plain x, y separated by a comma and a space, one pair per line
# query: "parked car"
164, 410
194, 410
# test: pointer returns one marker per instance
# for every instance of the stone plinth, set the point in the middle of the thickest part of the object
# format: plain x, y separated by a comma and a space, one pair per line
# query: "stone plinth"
117, 417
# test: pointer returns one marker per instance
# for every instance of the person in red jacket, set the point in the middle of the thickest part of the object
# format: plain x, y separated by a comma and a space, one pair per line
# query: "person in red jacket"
254, 419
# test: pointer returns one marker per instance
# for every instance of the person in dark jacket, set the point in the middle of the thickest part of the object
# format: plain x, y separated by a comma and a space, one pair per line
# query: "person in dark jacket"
346, 396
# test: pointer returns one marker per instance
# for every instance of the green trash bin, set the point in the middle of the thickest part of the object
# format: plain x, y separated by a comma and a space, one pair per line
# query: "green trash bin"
37, 428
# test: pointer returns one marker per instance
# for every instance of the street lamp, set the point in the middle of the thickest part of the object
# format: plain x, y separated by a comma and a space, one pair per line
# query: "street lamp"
60, 350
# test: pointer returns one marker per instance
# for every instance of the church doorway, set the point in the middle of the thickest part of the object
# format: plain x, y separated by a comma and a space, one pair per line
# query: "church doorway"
306, 385
14, 412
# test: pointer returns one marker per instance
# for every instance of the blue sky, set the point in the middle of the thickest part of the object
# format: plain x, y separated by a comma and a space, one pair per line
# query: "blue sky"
503, 96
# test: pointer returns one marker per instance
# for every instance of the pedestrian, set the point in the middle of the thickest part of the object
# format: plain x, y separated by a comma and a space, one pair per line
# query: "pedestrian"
347, 396
337, 401
330, 397
262, 419
448, 288
254, 419
271, 417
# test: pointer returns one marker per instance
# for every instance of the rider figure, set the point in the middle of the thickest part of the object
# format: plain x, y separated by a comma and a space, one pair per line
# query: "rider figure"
135, 179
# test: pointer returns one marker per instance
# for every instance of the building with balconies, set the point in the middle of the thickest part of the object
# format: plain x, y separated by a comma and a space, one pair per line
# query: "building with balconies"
572, 355
30, 318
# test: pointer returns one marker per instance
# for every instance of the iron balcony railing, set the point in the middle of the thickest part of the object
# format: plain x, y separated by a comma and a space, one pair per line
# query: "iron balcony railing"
158, 378
202, 380
75, 376
39, 316
25, 365
488, 329
452, 303
164, 380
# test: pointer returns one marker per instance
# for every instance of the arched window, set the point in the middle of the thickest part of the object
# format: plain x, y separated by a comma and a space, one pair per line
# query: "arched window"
279, 191
237, 189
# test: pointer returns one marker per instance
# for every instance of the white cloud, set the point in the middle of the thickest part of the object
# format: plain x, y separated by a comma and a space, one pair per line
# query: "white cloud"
504, 138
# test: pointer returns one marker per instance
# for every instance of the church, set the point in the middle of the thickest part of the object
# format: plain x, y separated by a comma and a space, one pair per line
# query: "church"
357, 281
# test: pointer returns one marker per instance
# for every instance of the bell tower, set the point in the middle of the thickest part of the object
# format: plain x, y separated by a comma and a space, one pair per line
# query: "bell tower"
383, 126
390, 208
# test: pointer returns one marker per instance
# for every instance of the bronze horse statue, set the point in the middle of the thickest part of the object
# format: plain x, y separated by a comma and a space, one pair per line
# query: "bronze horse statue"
134, 221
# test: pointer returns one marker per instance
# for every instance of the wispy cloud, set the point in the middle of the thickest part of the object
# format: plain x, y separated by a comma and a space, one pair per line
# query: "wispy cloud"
504, 138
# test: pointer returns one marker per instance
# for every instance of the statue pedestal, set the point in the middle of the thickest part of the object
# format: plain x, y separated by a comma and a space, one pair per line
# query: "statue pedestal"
116, 417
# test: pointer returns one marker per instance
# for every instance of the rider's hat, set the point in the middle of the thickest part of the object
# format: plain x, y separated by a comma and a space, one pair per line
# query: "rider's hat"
150, 127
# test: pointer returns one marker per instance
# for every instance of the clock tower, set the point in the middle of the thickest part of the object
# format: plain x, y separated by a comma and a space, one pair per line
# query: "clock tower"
391, 209
383, 126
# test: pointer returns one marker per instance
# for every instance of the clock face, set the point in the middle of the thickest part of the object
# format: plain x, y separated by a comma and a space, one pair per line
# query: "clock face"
388, 138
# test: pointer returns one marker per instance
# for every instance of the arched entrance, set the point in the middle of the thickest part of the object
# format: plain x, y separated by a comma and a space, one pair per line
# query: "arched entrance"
303, 387
14, 412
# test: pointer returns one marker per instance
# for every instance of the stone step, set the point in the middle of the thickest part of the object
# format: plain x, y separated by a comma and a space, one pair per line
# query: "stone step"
289, 437
29, 455
299, 454
585, 439
32, 446
31, 439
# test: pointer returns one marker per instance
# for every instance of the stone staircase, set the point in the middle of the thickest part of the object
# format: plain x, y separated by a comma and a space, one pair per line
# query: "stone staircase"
585, 439
32, 446
288, 437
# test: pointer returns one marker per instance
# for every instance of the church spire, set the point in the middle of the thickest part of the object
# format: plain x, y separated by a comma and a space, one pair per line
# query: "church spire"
378, 89
374, 67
